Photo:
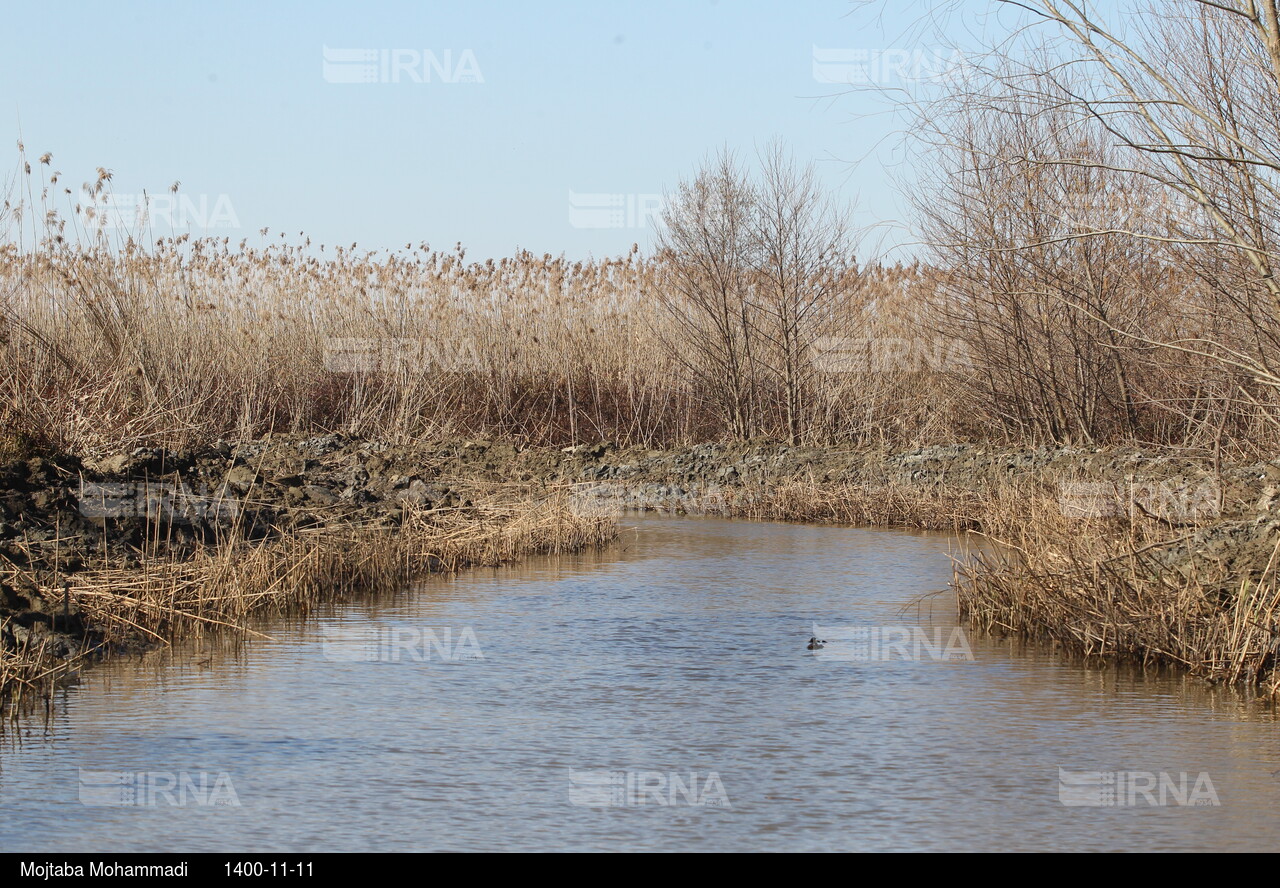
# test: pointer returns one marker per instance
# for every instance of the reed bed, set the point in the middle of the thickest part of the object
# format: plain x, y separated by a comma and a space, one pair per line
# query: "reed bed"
108, 348
222, 588
898, 504
31, 668
1131, 589
126, 337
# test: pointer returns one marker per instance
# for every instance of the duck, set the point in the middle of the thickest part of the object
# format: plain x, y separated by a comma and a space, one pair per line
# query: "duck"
816, 644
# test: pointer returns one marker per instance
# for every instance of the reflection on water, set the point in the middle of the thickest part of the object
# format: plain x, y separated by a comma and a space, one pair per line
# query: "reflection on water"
658, 695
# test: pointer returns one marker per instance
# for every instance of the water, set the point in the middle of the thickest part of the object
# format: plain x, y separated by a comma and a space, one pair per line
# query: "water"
676, 657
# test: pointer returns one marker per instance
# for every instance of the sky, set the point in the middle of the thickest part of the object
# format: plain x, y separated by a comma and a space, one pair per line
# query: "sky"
549, 126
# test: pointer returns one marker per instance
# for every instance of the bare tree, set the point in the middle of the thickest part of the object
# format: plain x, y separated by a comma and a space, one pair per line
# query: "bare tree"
1039, 305
706, 247
803, 259
1178, 106
753, 270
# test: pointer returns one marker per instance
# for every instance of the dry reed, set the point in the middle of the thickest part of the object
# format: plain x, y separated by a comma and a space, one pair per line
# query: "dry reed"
222, 588
897, 504
1130, 588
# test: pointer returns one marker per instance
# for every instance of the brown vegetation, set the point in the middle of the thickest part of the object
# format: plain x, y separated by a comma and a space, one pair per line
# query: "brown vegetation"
1101, 210
222, 586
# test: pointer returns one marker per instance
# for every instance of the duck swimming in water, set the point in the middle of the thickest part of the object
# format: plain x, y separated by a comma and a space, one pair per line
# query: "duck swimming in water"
815, 644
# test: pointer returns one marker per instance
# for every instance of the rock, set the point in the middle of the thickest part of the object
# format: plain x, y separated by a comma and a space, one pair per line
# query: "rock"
114, 465
418, 494
140, 462
321, 445
241, 478
1268, 498
357, 495
320, 495
333, 481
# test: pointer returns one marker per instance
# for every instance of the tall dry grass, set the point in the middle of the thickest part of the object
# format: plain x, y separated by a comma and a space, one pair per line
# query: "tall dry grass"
940, 506
224, 587
188, 342
118, 338
1129, 587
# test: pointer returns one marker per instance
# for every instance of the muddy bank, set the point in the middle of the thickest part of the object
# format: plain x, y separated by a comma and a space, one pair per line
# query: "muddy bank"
362, 512
62, 516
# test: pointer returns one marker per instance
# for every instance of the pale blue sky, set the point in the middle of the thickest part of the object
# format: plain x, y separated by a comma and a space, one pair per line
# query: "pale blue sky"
231, 98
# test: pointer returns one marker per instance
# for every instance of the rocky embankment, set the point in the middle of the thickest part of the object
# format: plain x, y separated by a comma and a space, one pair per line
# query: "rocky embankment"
59, 515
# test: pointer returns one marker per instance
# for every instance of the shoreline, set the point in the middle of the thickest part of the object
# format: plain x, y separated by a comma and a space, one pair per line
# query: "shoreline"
137, 549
